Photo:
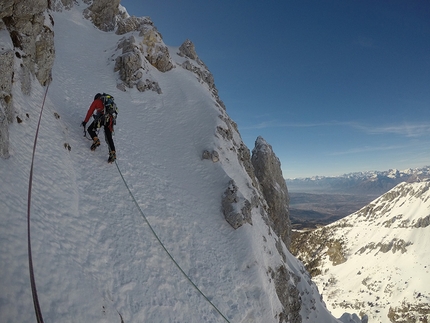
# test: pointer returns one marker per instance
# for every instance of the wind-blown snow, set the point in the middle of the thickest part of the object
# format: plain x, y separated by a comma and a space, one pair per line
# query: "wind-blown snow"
95, 259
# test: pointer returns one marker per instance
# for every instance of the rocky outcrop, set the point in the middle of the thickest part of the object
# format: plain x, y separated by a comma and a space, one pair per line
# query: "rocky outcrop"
288, 294
236, 208
129, 63
212, 155
422, 222
31, 30
31, 47
407, 312
129, 24
156, 52
188, 49
393, 246
266, 183
137, 54
6, 113
133, 68
103, 14
152, 45
268, 171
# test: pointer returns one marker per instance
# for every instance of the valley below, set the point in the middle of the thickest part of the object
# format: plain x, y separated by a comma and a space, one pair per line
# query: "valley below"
321, 200
312, 210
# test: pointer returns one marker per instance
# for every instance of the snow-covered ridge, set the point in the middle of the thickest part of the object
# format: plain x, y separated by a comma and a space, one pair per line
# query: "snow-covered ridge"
380, 252
95, 259
373, 183
405, 206
393, 173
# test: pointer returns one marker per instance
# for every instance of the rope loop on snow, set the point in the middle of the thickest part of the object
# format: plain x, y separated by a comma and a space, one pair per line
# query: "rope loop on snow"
30, 184
164, 247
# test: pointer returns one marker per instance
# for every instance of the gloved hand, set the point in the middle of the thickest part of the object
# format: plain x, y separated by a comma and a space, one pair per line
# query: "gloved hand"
83, 124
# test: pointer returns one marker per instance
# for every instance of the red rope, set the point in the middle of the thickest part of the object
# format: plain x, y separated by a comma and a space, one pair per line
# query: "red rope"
30, 183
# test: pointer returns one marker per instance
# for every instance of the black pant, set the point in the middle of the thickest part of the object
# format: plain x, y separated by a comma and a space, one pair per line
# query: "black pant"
108, 134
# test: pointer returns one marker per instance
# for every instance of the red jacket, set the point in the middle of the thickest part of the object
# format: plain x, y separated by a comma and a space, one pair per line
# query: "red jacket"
96, 107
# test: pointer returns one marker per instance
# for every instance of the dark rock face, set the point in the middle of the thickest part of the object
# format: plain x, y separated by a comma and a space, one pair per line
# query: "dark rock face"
267, 168
31, 47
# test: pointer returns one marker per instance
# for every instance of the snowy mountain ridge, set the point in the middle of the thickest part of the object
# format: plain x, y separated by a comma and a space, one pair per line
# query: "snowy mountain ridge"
394, 173
380, 250
373, 183
95, 259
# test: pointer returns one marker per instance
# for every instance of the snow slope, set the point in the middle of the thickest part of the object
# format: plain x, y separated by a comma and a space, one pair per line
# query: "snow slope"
385, 265
95, 257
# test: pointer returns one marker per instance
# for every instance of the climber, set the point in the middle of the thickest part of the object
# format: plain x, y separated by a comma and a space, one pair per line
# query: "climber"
104, 112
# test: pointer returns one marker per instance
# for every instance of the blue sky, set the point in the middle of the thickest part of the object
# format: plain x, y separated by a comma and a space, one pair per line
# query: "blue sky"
334, 86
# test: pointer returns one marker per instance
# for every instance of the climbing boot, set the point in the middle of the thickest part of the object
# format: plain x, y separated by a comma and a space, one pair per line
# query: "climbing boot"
112, 157
96, 143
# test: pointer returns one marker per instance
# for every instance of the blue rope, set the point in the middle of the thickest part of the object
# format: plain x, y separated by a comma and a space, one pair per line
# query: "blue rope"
165, 249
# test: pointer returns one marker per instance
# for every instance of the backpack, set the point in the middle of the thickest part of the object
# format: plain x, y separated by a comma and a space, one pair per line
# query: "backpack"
109, 104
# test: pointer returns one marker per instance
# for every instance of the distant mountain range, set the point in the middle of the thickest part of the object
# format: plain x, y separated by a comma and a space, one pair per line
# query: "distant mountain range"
377, 257
373, 183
